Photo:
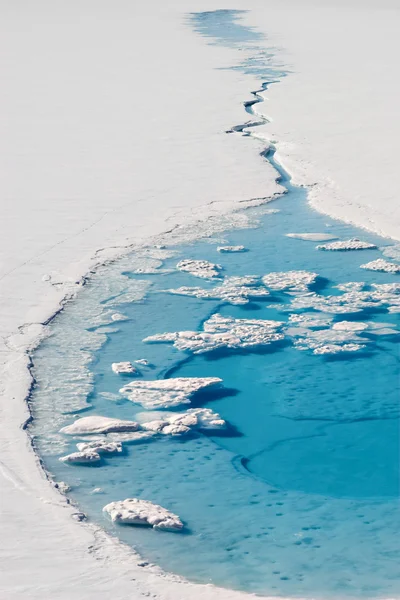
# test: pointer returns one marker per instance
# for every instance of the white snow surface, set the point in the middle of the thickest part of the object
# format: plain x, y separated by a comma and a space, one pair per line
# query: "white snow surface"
78, 188
124, 368
381, 265
345, 245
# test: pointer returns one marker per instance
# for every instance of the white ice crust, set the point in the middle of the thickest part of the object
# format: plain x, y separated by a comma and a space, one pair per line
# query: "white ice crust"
381, 265
201, 419
133, 511
167, 393
97, 424
352, 244
199, 268
124, 368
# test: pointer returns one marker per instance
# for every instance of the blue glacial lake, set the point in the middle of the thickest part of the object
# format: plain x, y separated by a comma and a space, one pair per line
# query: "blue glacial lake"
299, 496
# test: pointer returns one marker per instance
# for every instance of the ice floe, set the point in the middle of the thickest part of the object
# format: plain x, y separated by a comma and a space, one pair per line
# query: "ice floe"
296, 281
100, 446
194, 419
326, 341
312, 237
352, 244
228, 249
381, 265
125, 368
97, 424
234, 290
167, 393
199, 268
134, 511
224, 332
85, 457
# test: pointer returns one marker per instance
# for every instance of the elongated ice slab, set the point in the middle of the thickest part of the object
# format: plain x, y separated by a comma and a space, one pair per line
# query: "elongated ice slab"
224, 332
84, 457
228, 249
97, 424
201, 419
199, 268
352, 244
133, 511
381, 265
312, 237
167, 393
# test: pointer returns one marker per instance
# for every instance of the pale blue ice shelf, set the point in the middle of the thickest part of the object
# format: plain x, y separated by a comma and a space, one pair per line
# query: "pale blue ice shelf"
301, 496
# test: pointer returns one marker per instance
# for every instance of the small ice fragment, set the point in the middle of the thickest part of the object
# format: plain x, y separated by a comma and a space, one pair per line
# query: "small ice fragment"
228, 249
97, 490
97, 424
352, 244
124, 368
133, 511
381, 265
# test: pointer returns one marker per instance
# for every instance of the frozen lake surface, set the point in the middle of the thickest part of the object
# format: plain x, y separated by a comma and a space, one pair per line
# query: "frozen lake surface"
299, 496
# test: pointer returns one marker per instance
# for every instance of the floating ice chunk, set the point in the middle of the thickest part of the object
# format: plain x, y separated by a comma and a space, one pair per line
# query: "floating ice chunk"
351, 286
143, 362
235, 290
97, 490
381, 265
350, 326
133, 511
387, 288
96, 424
125, 368
207, 419
311, 320
352, 244
297, 281
167, 393
157, 425
135, 437
199, 268
101, 447
226, 249
82, 458
336, 349
313, 237
176, 429
203, 419
224, 332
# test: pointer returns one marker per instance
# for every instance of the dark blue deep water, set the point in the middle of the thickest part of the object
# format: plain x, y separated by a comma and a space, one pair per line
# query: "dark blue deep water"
300, 496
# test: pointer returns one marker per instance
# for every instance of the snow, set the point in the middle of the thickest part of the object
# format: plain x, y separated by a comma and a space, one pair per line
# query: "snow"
167, 393
133, 511
84, 457
295, 281
234, 290
80, 148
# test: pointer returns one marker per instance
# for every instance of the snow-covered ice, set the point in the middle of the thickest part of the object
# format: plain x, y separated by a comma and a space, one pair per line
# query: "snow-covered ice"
97, 424
199, 268
124, 368
167, 393
345, 245
312, 237
296, 281
381, 265
229, 249
134, 511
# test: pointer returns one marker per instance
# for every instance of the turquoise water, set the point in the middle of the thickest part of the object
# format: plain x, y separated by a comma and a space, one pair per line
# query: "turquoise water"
300, 496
